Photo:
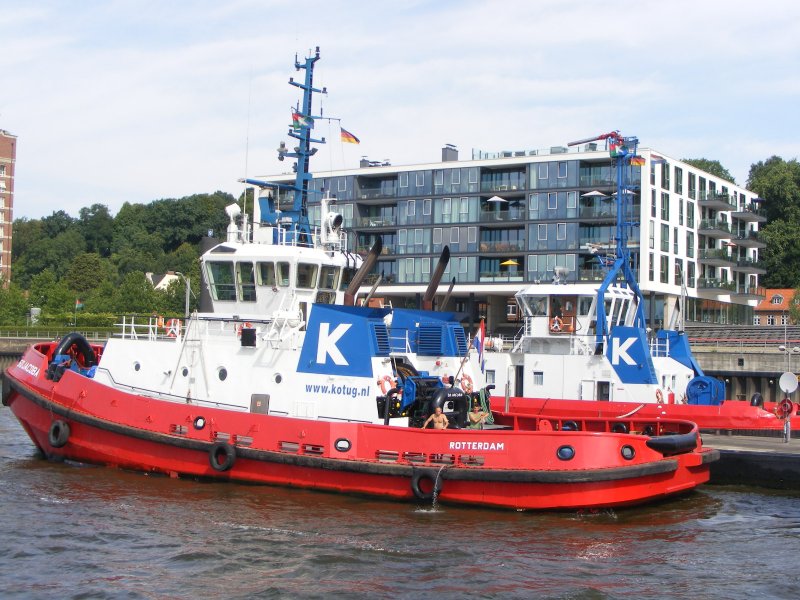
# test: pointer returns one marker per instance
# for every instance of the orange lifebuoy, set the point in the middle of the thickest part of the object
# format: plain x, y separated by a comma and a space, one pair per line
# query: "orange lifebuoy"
173, 327
386, 383
784, 408
466, 383
659, 397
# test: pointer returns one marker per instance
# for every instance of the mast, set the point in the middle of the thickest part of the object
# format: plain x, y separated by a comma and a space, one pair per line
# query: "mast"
294, 220
622, 150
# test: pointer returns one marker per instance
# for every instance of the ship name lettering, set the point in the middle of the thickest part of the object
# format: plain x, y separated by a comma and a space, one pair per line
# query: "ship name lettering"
28, 367
477, 446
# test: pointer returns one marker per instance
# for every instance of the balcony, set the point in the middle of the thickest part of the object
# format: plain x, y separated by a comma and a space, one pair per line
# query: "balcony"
744, 292
751, 213
750, 266
715, 258
716, 286
716, 201
748, 239
714, 228
506, 247
501, 276
376, 221
372, 193
501, 216
386, 250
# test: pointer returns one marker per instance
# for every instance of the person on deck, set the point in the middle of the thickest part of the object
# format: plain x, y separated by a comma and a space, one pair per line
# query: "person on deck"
477, 417
439, 419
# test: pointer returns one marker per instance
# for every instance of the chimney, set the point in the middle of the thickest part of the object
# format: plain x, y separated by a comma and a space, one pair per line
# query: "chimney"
449, 153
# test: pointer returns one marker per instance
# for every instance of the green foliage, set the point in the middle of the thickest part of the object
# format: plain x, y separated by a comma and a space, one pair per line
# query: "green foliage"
710, 166
85, 273
136, 294
13, 304
778, 183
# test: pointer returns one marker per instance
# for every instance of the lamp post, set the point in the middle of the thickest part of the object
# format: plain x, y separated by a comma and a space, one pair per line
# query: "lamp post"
188, 291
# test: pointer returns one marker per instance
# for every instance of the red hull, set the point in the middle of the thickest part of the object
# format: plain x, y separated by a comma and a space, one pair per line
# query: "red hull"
730, 415
502, 468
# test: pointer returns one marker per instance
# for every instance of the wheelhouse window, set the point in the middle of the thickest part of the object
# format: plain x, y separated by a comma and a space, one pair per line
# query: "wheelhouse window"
246, 282
327, 278
221, 281
283, 274
306, 275
266, 274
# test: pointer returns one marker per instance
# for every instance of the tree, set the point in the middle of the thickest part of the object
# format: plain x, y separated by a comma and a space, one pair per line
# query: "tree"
710, 166
777, 182
13, 304
85, 273
135, 294
97, 227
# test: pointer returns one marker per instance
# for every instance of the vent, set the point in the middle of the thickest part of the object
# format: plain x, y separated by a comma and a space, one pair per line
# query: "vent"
430, 340
461, 340
381, 336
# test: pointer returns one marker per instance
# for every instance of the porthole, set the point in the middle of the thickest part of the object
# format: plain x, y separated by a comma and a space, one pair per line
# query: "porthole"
342, 445
222, 373
628, 452
199, 423
565, 453
570, 426
136, 366
185, 371
619, 428
278, 378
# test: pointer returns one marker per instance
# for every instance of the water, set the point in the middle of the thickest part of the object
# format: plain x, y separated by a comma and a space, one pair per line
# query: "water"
71, 531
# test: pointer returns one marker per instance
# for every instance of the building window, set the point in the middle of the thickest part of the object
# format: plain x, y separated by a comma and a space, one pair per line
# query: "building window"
538, 378
420, 179
572, 199
678, 180
664, 206
552, 200
342, 186
562, 170
770, 319
411, 208
403, 180
777, 299
690, 244
561, 231
784, 319
692, 186
665, 176
690, 282
678, 271
438, 178
437, 235
651, 268
473, 175
664, 237
690, 214
543, 170
472, 235
652, 235
675, 240
680, 211
756, 320
454, 235
455, 177
426, 206
653, 208
542, 231
664, 269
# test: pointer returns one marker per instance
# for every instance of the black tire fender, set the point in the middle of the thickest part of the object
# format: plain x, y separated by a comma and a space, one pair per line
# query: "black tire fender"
58, 435
419, 494
221, 456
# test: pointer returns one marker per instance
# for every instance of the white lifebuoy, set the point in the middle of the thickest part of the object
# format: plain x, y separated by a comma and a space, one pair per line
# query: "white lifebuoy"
386, 383
466, 383
659, 397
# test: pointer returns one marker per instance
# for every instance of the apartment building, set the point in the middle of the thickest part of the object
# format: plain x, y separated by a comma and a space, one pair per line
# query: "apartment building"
8, 154
517, 218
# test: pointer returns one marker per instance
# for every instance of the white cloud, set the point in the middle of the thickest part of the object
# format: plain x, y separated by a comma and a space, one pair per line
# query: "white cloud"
130, 101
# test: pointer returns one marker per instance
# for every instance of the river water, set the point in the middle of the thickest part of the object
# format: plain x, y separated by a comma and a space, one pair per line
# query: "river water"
74, 531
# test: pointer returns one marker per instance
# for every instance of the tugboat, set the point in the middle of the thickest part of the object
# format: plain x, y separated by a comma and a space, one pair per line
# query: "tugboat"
289, 381
584, 349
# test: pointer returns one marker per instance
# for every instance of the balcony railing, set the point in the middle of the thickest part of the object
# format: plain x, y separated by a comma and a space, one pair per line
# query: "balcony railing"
490, 216
507, 246
370, 193
717, 255
714, 225
716, 284
375, 221
501, 276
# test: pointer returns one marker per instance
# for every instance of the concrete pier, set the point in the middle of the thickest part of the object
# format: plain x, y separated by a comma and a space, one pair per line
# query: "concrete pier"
760, 461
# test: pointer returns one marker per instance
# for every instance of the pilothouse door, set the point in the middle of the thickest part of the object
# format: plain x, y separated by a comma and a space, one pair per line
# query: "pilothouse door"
587, 389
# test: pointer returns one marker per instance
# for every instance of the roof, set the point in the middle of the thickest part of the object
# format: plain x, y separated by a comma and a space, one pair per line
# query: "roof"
786, 295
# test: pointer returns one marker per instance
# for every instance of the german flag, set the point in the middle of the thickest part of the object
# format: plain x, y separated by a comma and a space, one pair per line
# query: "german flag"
349, 138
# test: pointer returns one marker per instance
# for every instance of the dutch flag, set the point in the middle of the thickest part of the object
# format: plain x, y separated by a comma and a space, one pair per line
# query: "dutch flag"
479, 341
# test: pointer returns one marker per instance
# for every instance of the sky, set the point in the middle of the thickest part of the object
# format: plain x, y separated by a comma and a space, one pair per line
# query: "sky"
134, 101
